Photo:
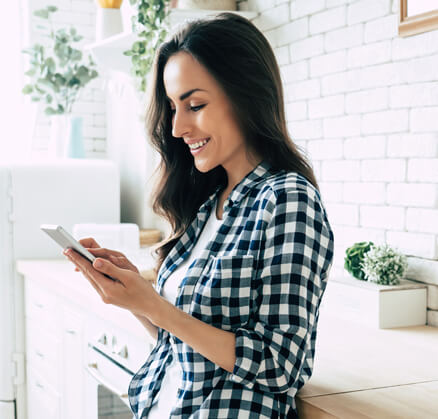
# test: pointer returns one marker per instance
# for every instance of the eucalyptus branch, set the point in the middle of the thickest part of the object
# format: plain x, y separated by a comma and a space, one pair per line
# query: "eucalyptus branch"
59, 72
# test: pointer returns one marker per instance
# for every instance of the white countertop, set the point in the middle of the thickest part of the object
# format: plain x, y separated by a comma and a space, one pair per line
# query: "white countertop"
60, 278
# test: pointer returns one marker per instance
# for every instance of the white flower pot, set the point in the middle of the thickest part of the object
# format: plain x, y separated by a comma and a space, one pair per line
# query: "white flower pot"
207, 4
376, 306
109, 22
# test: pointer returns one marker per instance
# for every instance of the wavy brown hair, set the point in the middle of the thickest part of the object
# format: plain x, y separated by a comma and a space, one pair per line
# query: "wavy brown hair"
243, 63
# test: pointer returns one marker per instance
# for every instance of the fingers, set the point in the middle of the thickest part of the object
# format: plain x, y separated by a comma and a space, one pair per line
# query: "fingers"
123, 262
85, 266
103, 252
89, 242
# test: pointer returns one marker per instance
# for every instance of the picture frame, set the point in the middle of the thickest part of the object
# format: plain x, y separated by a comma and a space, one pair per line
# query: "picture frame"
417, 16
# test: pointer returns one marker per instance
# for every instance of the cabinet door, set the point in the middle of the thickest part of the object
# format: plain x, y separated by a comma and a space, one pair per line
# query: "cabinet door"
73, 389
41, 398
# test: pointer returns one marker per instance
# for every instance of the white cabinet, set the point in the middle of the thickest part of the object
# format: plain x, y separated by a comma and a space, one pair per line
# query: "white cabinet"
72, 364
42, 354
54, 355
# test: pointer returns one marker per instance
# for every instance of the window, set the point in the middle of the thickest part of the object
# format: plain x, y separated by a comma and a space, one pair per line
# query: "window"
417, 16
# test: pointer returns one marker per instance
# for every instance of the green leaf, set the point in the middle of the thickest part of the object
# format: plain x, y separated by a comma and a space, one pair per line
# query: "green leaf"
73, 31
49, 99
35, 99
30, 72
42, 13
27, 89
50, 64
76, 55
52, 9
50, 111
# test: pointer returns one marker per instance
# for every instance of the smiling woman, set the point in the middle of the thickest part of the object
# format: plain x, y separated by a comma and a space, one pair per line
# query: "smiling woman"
242, 274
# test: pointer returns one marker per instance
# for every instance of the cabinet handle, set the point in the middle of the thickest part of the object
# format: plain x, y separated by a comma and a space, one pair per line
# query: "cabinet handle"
38, 384
71, 331
39, 354
39, 305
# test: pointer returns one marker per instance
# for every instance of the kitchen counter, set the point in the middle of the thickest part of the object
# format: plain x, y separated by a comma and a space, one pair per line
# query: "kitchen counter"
363, 372
359, 372
59, 277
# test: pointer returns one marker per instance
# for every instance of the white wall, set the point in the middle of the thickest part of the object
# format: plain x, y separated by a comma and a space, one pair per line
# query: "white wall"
364, 104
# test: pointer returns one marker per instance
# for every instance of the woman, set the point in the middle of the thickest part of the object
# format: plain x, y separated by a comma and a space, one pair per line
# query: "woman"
240, 280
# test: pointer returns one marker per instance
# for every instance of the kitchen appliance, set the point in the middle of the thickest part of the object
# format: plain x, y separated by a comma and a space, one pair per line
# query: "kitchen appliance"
65, 192
113, 356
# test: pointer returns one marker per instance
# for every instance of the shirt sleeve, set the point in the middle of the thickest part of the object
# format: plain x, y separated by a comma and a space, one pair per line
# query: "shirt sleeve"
290, 280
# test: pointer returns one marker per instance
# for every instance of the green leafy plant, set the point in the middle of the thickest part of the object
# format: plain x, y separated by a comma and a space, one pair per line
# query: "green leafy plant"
151, 26
354, 257
384, 265
58, 71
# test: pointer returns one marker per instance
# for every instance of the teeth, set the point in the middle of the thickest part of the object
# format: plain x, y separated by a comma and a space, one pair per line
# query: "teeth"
199, 144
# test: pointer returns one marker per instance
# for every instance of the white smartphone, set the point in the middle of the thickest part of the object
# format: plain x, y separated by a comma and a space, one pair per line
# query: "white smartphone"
66, 241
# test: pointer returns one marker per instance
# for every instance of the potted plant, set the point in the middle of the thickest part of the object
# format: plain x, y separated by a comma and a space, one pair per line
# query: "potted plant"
384, 265
375, 293
57, 73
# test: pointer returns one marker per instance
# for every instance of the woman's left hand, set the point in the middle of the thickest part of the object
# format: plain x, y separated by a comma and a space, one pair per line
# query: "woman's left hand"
131, 292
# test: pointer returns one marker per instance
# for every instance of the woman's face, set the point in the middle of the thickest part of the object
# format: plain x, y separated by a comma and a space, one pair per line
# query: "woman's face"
202, 114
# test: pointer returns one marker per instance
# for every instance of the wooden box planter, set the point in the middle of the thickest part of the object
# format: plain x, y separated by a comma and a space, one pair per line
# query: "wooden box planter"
377, 306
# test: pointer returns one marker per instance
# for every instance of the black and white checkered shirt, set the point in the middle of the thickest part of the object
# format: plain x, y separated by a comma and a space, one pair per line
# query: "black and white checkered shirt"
262, 277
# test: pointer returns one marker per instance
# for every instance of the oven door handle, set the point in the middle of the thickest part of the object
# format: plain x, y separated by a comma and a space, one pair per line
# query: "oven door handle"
93, 371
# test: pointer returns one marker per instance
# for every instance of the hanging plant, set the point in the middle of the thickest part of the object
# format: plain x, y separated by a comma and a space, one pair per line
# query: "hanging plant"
151, 26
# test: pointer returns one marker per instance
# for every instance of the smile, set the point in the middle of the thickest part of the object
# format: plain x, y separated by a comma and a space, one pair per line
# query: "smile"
199, 146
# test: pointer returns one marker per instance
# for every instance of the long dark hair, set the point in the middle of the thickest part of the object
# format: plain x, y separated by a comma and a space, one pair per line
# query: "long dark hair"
241, 60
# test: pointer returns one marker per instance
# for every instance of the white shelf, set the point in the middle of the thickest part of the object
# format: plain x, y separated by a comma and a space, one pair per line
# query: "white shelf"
108, 53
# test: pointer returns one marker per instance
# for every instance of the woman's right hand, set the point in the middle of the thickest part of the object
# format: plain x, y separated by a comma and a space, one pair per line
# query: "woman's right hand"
117, 258
120, 260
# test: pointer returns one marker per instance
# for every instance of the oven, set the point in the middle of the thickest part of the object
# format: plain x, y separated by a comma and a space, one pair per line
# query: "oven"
112, 358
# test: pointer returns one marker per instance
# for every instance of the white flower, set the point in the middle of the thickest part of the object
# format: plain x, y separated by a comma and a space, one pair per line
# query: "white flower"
383, 265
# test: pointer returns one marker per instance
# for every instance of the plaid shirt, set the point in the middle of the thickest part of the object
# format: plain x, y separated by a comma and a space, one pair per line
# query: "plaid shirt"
262, 277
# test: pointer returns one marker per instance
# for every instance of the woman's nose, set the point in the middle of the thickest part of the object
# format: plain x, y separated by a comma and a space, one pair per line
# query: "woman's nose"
180, 125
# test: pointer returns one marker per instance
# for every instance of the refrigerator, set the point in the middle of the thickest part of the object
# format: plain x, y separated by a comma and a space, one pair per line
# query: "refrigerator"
65, 192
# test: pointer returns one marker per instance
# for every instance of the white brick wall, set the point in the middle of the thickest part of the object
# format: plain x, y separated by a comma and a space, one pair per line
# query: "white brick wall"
364, 104
90, 101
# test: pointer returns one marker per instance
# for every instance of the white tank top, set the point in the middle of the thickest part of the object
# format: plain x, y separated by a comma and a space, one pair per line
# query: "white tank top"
172, 379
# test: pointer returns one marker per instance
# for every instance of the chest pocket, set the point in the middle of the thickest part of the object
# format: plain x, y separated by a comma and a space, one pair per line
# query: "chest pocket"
222, 294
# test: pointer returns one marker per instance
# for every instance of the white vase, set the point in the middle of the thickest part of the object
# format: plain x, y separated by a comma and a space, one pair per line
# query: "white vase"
59, 127
108, 23
207, 4
66, 140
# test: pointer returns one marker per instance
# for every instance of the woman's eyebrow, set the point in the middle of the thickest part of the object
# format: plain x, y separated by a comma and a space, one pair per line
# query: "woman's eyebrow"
187, 94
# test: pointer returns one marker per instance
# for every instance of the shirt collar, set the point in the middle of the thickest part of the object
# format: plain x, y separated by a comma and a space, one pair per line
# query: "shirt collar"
259, 173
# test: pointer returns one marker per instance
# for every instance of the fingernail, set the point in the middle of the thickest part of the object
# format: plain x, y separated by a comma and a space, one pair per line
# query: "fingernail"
98, 263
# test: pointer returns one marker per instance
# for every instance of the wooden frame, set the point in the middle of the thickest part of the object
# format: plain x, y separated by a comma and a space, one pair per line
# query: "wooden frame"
412, 25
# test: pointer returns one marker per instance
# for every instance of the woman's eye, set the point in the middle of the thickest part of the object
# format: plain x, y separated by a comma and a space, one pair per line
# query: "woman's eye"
196, 108
192, 108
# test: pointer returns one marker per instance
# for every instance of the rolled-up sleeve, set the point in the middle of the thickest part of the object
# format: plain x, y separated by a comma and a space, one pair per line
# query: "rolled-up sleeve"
290, 280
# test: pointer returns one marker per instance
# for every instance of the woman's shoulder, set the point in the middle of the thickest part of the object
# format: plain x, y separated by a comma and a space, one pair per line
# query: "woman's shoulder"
289, 183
